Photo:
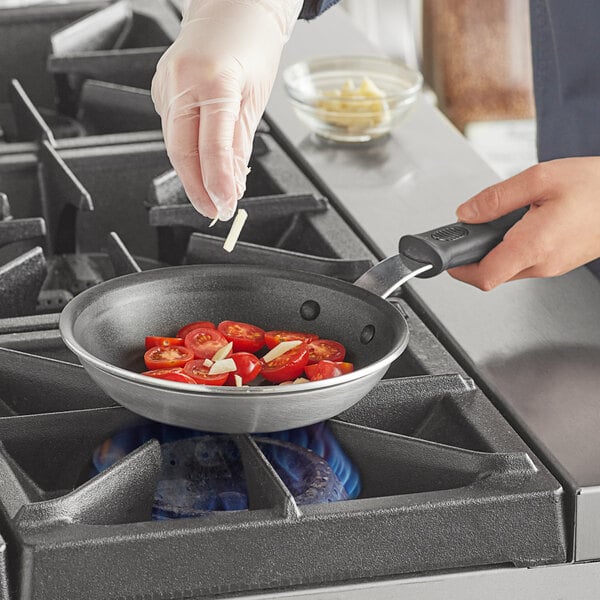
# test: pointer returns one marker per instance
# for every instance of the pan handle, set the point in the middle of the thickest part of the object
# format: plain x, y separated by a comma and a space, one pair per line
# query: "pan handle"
429, 253
456, 244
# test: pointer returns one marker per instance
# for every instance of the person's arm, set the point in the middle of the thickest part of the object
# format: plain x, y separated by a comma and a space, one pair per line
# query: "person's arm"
560, 231
211, 87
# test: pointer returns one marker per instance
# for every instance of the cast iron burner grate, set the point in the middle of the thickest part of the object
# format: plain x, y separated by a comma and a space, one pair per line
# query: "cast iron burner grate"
60, 52
87, 194
419, 509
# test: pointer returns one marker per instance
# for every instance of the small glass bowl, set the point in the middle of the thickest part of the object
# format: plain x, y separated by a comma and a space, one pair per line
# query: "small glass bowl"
352, 98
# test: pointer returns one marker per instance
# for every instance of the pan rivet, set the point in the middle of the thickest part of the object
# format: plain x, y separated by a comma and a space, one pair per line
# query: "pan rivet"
310, 310
367, 334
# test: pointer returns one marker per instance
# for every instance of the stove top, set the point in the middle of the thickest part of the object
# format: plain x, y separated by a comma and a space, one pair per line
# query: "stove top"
445, 482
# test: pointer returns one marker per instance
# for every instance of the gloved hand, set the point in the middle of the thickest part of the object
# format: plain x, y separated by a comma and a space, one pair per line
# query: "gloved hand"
211, 87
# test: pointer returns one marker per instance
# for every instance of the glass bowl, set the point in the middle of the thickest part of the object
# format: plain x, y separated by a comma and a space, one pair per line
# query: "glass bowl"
352, 98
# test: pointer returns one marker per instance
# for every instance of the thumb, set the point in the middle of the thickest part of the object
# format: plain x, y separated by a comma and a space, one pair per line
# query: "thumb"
497, 200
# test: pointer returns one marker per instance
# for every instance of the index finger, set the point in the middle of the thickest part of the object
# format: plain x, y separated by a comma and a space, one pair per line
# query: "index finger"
181, 131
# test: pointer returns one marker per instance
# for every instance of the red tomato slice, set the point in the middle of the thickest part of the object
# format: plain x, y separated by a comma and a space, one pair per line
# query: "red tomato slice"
166, 357
204, 341
159, 372
287, 366
272, 338
199, 373
325, 369
325, 350
191, 326
152, 341
170, 375
248, 367
245, 337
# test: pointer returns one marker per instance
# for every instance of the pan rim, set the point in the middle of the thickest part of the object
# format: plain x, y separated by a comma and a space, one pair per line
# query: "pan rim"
70, 313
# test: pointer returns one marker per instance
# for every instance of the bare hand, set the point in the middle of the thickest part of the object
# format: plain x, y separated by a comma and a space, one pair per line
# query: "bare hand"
561, 230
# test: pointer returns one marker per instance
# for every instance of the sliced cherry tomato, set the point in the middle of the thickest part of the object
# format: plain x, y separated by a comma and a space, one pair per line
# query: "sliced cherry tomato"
167, 357
153, 340
159, 372
287, 366
326, 369
248, 367
272, 338
198, 371
191, 326
245, 337
325, 350
170, 375
204, 341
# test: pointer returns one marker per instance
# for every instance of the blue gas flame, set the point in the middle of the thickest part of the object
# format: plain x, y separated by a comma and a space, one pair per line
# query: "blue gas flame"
203, 472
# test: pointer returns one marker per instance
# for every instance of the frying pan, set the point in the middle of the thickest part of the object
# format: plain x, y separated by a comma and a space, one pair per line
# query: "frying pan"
105, 327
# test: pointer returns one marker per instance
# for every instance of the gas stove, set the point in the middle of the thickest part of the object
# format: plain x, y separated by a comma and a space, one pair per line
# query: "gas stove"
422, 477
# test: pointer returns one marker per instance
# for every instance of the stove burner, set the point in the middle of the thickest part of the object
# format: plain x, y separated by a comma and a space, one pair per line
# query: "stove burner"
203, 472
200, 475
321, 441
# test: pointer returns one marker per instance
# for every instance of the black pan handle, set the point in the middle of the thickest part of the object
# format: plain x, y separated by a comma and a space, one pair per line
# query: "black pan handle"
456, 244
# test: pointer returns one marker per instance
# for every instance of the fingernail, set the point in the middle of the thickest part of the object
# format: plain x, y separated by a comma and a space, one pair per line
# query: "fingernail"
240, 187
225, 212
466, 212
225, 208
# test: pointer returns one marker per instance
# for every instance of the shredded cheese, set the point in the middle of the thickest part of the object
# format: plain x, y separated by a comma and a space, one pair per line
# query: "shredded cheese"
236, 229
238, 380
207, 362
222, 352
355, 108
219, 367
280, 349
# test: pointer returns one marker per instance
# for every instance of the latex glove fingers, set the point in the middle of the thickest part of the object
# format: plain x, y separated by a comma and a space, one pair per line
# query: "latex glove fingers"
199, 101
211, 87
243, 141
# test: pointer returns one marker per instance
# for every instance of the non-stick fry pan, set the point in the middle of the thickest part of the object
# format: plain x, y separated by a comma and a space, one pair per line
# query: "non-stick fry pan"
105, 327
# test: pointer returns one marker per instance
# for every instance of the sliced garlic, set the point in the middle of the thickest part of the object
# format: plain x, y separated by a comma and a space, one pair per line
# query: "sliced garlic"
238, 380
280, 349
236, 230
219, 367
222, 352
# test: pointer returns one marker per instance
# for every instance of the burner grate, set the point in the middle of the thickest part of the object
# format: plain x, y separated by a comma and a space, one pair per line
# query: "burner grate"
419, 508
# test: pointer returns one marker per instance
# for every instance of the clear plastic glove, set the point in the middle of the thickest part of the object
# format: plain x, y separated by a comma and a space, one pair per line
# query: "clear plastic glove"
560, 231
211, 87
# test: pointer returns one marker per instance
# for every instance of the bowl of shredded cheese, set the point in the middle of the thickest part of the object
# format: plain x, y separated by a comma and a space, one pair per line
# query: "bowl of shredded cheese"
352, 98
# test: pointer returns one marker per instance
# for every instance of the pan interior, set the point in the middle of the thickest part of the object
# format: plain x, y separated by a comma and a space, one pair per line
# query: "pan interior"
110, 321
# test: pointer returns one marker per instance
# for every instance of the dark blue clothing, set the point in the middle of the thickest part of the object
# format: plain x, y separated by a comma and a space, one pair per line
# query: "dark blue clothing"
565, 38
313, 8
